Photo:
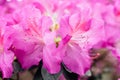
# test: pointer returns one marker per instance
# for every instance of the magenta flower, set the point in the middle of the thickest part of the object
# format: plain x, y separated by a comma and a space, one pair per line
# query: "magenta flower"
74, 56
32, 36
80, 34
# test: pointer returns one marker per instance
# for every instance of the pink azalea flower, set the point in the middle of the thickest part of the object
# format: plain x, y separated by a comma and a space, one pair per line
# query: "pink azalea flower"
30, 36
80, 34
36, 37
75, 57
111, 26
110, 15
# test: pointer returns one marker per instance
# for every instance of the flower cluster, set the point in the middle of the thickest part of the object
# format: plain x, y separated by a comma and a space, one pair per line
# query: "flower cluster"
57, 31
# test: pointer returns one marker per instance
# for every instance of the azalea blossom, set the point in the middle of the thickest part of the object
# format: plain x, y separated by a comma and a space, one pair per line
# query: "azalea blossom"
27, 35
36, 35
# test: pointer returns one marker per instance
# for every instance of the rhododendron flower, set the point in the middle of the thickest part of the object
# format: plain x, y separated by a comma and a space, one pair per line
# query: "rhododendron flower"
73, 54
32, 36
80, 34
111, 27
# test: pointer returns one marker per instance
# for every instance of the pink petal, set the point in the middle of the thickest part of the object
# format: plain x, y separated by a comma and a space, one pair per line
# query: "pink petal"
6, 60
74, 20
76, 60
64, 26
26, 48
51, 59
46, 24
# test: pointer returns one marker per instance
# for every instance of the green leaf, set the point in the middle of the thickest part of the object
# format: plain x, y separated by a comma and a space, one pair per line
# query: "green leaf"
38, 75
69, 75
48, 76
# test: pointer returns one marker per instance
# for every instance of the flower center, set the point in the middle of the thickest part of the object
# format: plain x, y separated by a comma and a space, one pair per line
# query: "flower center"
57, 40
55, 27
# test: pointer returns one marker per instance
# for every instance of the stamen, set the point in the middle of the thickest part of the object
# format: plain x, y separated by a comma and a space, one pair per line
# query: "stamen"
57, 40
54, 28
